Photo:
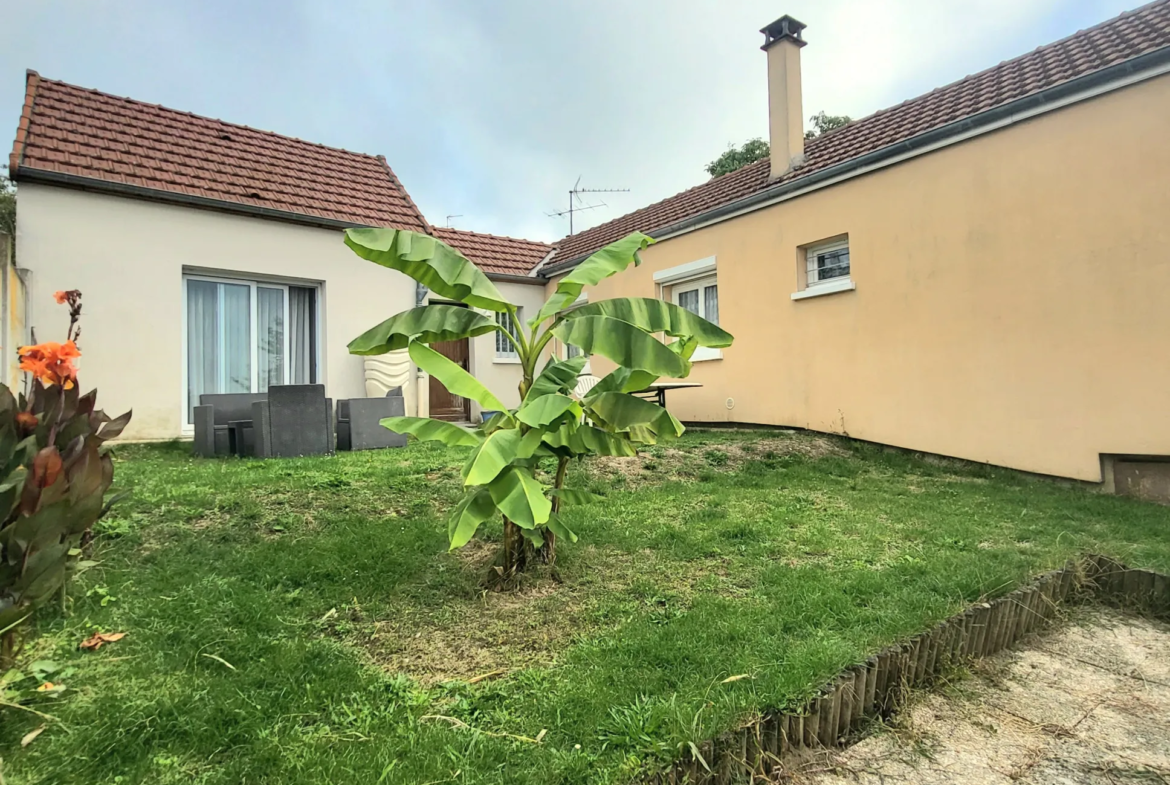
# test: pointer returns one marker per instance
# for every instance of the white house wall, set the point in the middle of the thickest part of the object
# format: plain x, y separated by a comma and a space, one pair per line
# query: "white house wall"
128, 257
499, 375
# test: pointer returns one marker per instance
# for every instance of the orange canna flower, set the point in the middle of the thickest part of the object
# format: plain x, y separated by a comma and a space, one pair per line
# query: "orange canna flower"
68, 351
27, 420
51, 362
61, 297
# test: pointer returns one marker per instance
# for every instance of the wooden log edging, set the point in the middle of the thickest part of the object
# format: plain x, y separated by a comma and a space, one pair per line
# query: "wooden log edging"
877, 688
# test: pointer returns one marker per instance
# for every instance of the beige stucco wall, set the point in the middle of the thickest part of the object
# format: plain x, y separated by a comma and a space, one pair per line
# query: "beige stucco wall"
128, 256
503, 376
1012, 301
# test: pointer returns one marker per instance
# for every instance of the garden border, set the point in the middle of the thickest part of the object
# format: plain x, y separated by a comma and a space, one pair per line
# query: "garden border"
877, 687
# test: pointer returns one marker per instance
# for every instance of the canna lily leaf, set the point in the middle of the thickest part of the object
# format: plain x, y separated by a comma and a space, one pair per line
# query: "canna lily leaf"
431, 262
428, 324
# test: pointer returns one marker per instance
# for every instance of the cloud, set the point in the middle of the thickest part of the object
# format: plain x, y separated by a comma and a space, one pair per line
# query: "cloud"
493, 110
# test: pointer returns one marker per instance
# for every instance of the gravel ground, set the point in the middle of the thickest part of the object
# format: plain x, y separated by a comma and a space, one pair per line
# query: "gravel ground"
1087, 702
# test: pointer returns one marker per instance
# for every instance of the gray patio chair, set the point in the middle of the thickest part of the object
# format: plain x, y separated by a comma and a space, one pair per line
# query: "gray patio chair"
214, 418
296, 420
358, 421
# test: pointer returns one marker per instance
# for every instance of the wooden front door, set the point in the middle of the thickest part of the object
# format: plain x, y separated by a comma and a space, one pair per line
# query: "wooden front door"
444, 405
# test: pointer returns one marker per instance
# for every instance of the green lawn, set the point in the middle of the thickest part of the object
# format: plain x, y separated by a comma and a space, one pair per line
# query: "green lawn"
300, 621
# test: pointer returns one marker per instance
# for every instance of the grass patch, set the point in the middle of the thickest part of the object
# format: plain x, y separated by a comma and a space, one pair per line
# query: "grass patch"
302, 622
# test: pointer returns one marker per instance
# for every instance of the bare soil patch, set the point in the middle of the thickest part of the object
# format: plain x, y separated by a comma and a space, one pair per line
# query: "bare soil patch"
495, 631
661, 464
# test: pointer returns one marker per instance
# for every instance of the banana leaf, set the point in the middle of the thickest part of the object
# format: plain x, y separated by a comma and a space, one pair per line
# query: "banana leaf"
431, 262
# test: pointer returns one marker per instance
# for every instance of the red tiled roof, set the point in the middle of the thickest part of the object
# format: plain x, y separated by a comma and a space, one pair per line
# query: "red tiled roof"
1132, 34
494, 254
68, 130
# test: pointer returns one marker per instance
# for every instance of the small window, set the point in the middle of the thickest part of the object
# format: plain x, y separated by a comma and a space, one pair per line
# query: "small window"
827, 262
700, 297
505, 349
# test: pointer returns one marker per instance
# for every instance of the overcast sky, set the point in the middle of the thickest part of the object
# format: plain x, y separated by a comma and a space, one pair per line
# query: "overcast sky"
491, 109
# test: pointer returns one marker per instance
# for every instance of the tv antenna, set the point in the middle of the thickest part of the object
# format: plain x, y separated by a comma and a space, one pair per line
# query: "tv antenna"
577, 204
449, 217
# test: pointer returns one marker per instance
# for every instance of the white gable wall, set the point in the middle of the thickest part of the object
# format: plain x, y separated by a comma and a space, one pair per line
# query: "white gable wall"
128, 256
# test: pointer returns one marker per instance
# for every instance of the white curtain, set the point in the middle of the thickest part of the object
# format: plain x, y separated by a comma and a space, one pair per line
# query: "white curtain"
235, 318
269, 336
202, 342
302, 335
711, 303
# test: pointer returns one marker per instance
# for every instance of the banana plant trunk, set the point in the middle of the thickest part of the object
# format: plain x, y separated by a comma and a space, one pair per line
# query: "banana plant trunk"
548, 551
515, 552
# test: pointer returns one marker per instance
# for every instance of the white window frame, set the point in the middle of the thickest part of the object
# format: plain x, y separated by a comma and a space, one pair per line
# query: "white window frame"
817, 288
254, 359
688, 277
582, 299
510, 356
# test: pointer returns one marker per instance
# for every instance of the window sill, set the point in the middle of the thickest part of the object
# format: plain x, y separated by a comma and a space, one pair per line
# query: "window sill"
820, 289
506, 360
706, 354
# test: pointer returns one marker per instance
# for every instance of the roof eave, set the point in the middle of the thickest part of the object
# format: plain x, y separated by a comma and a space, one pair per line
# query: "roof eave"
47, 177
516, 278
1145, 66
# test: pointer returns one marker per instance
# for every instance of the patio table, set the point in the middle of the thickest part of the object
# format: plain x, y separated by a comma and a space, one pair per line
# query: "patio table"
657, 390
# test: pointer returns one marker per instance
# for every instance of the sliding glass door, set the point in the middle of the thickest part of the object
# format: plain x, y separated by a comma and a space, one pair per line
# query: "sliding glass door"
245, 336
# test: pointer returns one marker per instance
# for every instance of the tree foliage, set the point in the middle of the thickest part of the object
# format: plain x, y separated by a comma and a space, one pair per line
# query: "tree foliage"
552, 425
7, 207
735, 158
823, 123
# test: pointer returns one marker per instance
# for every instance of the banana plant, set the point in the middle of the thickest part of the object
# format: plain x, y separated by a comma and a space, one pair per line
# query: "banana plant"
502, 475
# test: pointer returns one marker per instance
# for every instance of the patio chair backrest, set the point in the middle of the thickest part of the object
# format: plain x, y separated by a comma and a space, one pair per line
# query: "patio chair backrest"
584, 385
296, 421
228, 407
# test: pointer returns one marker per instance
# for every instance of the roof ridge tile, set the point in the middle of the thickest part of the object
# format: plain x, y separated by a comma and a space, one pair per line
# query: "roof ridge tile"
82, 132
1123, 37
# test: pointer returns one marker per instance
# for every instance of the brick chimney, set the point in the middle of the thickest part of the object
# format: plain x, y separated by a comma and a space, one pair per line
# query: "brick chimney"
782, 42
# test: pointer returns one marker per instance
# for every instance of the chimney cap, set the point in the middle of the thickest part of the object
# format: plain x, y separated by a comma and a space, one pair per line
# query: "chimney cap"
783, 29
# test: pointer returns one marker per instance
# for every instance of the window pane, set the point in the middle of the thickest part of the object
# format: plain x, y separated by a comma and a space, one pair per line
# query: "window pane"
689, 300
711, 303
504, 347
202, 342
302, 334
832, 264
235, 319
219, 340
270, 336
